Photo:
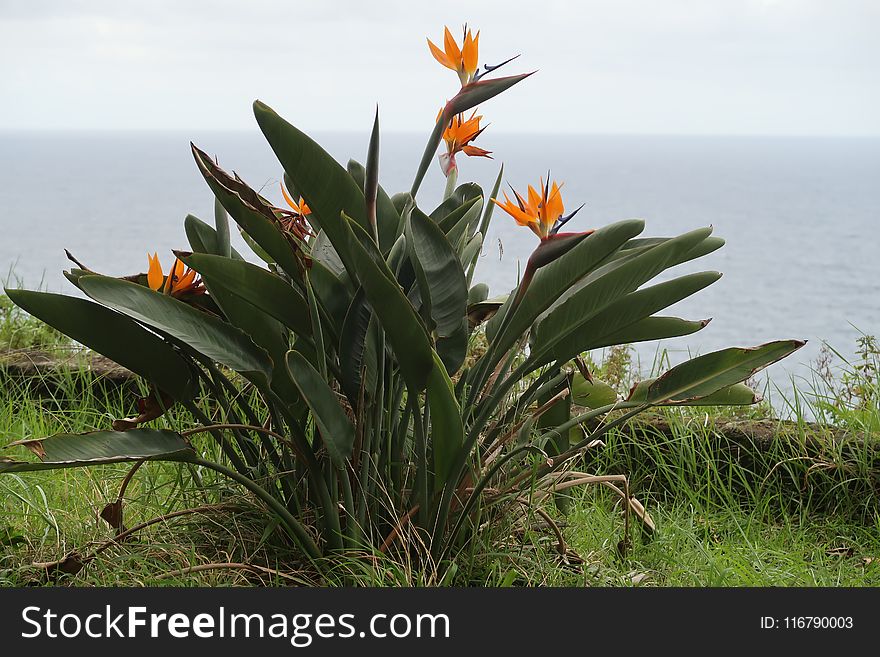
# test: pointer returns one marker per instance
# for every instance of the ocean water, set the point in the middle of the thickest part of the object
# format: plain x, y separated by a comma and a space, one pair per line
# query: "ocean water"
800, 215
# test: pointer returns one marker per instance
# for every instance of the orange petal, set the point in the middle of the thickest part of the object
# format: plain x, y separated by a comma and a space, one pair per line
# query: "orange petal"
154, 275
469, 129
303, 208
469, 53
555, 207
522, 218
474, 151
174, 275
534, 199
287, 198
441, 57
452, 51
186, 281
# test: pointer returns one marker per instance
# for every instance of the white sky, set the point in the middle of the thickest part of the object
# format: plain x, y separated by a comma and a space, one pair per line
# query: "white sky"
790, 67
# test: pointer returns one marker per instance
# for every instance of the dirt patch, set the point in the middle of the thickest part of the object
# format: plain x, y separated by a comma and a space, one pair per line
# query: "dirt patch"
49, 372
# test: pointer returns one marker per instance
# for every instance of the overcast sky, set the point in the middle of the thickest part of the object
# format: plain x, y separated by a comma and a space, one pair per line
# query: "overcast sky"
801, 67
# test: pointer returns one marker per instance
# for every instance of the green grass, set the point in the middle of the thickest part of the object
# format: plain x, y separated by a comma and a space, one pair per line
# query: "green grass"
802, 511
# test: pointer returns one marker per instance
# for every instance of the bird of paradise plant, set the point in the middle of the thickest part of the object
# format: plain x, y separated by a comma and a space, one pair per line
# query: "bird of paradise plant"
462, 60
366, 427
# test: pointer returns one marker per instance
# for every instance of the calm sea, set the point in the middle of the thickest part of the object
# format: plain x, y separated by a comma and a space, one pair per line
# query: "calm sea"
800, 215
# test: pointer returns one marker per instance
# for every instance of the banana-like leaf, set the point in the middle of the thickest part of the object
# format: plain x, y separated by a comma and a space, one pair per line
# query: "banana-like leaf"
204, 239
405, 332
471, 251
260, 287
447, 430
101, 448
490, 206
323, 183
387, 215
558, 414
208, 335
221, 225
616, 316
478, 293
453, 349
468, 208
322, 250
330, 291
738, 394
553, 280
459, 202
648, 330
704, 375
336, 429
441, 276
252, 299
115, 336
357, 351
253, 220
558, 331
638, 245
591, 394
459, 233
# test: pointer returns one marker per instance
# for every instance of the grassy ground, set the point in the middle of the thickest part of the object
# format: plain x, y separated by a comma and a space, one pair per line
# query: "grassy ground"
789, 516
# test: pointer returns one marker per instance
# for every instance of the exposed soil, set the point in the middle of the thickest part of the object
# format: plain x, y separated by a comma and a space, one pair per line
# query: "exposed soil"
47, 373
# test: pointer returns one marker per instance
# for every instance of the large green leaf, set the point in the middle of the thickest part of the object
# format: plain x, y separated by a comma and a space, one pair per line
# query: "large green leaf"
447, 430
204, 239
453, 349
115, 336
357, 351
323, 251
459, 233
615, 316
468, 207
558, 414
490, 206
100, 448
553, 280
557, 332
638, 245
387, 216
441, 276
321, 180
648, 330
705, 375
471, 251
330, 291
337, 432
250, 214
591, 394
402, 327
242, 291
208, 335
738, 394
259, 287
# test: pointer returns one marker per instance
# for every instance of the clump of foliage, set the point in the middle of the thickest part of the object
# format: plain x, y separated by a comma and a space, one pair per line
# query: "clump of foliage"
334, 376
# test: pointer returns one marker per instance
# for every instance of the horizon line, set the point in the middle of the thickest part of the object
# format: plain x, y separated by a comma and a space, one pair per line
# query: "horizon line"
354, 131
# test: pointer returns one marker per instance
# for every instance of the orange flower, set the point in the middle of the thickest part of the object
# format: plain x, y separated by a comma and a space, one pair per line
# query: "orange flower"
461, 60
300, 208
181, 280
154, 274
458, 137
541, 212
